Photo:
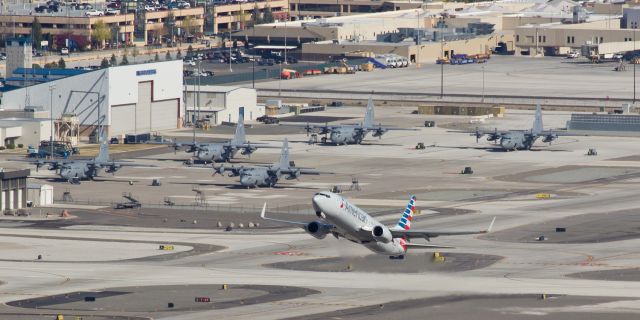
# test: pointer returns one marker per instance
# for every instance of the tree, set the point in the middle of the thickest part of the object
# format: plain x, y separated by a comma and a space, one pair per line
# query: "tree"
134, 53
168, 56
189, 51
188, 25
267, 16
36, 66
169, 25
51, 65
100, 33
179, 54
62, 64
36, 32
256, 17
104, 63
113, 61
157, 57
124, 60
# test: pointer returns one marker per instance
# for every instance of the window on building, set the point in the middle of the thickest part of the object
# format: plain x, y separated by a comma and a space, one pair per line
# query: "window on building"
568, 39
517, 38
544, 38
601, 40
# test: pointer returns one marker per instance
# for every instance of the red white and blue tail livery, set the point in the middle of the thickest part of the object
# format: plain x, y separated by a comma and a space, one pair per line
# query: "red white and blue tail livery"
407, 216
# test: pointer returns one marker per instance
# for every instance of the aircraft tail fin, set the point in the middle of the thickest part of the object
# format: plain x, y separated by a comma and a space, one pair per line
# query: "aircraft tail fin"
239, 137
284, 155
369, 116
537, 123
407, 216
103, 153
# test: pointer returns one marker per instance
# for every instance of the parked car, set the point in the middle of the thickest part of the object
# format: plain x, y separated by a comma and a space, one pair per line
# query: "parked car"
64, 51
41, 9
94, 13
111, 12
184, 5
266, 62
149, 8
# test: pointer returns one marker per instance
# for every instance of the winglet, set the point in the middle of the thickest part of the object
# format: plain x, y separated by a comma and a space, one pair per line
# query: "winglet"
490, 226
264, 209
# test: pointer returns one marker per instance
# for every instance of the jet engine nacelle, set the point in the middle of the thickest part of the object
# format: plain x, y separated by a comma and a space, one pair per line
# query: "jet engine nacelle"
382, 234
318, 229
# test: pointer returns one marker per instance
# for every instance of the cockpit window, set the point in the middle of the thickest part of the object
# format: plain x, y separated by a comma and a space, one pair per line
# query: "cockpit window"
324, 195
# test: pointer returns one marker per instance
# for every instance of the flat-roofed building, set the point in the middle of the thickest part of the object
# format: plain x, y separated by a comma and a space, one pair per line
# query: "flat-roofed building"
237, 16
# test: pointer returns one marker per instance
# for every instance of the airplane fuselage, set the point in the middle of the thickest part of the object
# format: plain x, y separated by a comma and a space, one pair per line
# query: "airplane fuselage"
354, 223
258, 177
76, 172
215, 152
347, 135
517, 140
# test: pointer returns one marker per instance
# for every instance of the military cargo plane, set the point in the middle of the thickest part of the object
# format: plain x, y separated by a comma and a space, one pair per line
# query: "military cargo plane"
520, 139
74, 171
351, 133
342, 219
223, 151
267, 176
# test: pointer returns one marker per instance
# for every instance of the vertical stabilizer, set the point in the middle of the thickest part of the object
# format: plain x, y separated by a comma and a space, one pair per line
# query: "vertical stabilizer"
284, 155
239, 137
407, 216
369, 117
103, 153
537, 123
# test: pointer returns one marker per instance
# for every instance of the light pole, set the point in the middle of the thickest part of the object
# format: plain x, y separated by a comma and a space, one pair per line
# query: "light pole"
51, 88
198, 98
634, 65
483, 83
230, 45
280, 80
285, 34
253, 62
442, 61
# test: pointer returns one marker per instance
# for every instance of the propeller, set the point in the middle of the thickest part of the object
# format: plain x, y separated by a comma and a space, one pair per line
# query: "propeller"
219, 170
478, 134
380, 131
248, 150
39, 164
294, 175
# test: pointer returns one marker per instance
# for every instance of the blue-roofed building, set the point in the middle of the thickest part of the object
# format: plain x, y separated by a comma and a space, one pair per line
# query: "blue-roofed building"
23, 77
138, 98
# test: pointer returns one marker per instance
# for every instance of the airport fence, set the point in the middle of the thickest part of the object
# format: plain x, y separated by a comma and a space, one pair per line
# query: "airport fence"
304, 209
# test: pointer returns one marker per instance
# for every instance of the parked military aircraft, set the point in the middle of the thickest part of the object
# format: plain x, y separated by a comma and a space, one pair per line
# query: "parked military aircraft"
73, 171
222, 151
519, 139
344, 220
267, 176
351, 133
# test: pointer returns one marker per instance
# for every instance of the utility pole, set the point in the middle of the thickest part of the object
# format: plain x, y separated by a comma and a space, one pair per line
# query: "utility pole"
51, 88
442, 62
253, 62
198, 101
483, 83
634, 65
230, 45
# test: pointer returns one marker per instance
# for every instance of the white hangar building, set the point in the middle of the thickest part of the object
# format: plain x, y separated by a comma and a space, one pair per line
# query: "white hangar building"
137, 98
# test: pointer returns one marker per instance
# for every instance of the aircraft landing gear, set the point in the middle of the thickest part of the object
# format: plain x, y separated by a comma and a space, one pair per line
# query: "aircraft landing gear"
400, 257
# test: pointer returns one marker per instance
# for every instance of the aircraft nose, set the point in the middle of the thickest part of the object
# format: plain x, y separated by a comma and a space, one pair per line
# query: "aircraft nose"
318, 201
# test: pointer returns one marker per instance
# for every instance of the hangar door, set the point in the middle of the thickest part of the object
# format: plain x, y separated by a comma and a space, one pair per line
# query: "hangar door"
152, 115
146, 115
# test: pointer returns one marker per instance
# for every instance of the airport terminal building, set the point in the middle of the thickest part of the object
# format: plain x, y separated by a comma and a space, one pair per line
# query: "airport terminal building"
127, 99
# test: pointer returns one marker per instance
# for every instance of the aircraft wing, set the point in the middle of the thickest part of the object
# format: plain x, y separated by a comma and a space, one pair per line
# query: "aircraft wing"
426, 234
296, 223
426, 246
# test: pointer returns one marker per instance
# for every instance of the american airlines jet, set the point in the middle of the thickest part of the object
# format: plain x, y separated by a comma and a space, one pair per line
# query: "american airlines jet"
344, 220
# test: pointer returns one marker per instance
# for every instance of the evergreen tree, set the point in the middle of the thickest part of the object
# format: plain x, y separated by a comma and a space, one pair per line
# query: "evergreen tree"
268, 15
36, 32
124, 60
104, 63
168, 56
179, 54
113, 61
157, 57
62, 64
